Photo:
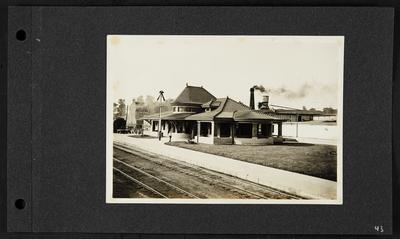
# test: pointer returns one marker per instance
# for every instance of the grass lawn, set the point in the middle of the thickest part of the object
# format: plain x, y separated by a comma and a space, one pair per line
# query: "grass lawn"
310, 159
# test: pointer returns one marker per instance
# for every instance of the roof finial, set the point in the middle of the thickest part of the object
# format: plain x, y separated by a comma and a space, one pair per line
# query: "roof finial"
187, 84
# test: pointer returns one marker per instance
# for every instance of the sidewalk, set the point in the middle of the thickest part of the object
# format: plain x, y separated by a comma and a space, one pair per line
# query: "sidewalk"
295, 183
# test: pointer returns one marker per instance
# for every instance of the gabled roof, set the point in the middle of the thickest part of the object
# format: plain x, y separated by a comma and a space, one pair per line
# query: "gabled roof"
211, 103
167, 116
232, 110
232, 105
229, 108
246, 115
209, 115
193, 95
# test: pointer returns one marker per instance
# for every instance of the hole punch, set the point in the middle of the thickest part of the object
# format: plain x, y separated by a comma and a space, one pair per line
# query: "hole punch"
20, 35
20, 203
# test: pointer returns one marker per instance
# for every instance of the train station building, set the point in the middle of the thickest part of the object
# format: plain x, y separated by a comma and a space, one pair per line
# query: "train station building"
199, 116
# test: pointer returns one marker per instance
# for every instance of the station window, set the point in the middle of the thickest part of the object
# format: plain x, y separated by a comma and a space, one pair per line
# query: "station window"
205, 129
225, 130
244, 130
263, 130
179, 128
155, 125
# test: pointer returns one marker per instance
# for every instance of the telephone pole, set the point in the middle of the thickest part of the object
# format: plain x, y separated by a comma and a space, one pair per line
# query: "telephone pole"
161, 98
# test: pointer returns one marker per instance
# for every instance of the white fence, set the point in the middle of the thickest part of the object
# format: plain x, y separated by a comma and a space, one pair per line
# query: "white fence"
312, 132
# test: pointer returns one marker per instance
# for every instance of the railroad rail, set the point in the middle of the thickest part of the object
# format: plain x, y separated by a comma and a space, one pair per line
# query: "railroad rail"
174, 187
140, 183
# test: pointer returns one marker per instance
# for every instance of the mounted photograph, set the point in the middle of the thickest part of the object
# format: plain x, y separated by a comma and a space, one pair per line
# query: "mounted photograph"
224, 119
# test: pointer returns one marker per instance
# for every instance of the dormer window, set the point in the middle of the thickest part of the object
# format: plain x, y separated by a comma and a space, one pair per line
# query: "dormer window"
184, 109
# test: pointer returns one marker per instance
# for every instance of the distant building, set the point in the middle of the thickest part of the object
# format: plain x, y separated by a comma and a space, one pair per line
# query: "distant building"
297, 115
199, 116
115, 111
290, 114
326, 117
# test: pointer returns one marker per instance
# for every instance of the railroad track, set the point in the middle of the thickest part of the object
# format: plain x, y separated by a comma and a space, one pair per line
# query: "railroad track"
226, 186
141, 184
158, 185
187, 169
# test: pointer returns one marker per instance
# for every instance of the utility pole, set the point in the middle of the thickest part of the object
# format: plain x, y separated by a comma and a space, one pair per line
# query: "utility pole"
126, 120
297, 125
161, 98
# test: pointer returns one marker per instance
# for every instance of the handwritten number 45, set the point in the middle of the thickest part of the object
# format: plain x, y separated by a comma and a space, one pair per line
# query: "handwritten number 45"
379, 228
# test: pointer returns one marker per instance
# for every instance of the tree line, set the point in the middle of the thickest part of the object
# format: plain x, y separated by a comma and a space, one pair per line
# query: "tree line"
145, 105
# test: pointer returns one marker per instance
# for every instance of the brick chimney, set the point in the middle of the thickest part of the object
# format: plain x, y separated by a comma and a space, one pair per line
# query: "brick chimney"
252, 98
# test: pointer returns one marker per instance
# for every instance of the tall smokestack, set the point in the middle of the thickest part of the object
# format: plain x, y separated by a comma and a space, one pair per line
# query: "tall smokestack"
252, 98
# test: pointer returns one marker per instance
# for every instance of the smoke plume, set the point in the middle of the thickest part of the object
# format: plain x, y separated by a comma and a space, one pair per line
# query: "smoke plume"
259, 88
302, 92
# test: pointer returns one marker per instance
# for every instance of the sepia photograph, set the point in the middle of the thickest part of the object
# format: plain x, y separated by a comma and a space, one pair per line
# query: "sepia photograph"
224, 119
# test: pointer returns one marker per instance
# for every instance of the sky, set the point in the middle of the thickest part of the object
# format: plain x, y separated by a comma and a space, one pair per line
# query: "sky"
295, 71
